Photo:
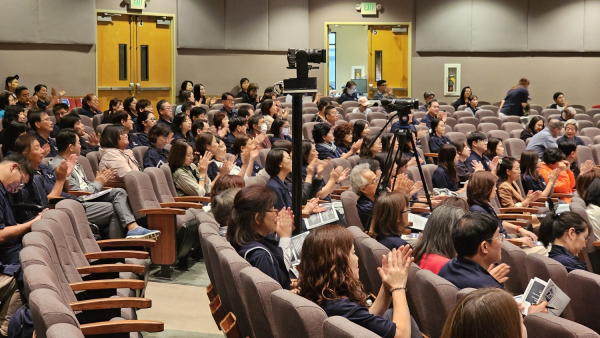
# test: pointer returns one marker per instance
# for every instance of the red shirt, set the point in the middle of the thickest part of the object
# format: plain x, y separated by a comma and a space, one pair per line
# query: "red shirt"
433, 262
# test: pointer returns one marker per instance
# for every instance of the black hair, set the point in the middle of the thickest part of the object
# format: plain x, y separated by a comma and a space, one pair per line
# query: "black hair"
462, 93
381, 82
236, 147
567, 146
306, 149
35, 116
25, 166
265, 107
141, 118
554, 226
320, 131
110, 136
11, 113
475, 136
253, 121
244, 79
493, 143
431, 102
160, 129
592, 194
142, 104
197, 95
196, 112
69, 121
184, 85
58, 107
349, 85
225, 95
236, 121
197, 125
178, 120
357, 129
534, 120
459, 145
274, 159
184, 96
186, 106
434, 124
65, 138
507, 163
276, 126
556, 95
9, 80
552, 155
323, 102
244, 111
39, 87
120, 117
472, 229
4, 100
158, 105
127, 103
10, 134
20, 89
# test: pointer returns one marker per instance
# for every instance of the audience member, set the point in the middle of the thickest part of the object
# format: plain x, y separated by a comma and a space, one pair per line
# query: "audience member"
144, 105
219, 166
145, 122
245, 112
435, 247
531, 178
465, 96
433, 110
323, 136
42, 125
445, 176
360, 129
186, 85
200, 95
592, 201
11, 132
11, 83
186, 108
495, 148
198, 113
349, 93
473, 105
567, 114
383, 92
43, 102
247, 151
331, 115
478, 143
228, 101
89, 106
329, 277
129, 105
182, 129
568, 233
122, 118
364, 183
237, 127
252, 96
257, 130
363, 106
428, 96
463, 171
114, 153
571, 151
88, 143
437, 136
280, 130
59, 110
23, 98
115, 105
509, 193
225, 183
373, 150
220, 124
559, 101
189, 179
553, 159
407, 150
390, 219
200, 126
321, 105
186, 98
515, 100
244, 88
159, 136
312, 170
278, 165
342, 136
571, 127
535, 125
6, 99
250, 230
165, 112
221, 205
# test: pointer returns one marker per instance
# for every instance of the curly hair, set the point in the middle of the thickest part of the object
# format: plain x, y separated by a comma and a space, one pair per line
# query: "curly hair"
340, 132
325, 272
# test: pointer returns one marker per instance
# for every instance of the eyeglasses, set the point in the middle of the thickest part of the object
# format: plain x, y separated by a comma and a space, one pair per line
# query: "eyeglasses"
405, 211
151, 119
586, 237
501, 236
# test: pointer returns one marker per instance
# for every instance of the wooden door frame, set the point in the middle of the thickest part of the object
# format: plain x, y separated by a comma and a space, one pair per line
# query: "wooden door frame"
173, 46
366, 23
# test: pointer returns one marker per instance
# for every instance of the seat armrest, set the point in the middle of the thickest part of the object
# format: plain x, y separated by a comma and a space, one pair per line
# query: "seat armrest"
338, 191
336, 197
192, 199
124, 242
106, 268
421, 210
103, 284
121, 326
111, 303
114, 185
513, 210
183, 205
78, 193
431, 155
116, 254
561, 195
515, 216
597, 244
162, 211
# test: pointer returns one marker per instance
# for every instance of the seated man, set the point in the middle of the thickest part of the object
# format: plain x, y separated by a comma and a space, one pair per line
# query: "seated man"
545, 138
15, 171
198, 113
429, 95
433, 112
42, 125
383, 92
165, 112
569, 147
554, 158
559, 101
228, 103
364, 183
109, 210
477, 141
237, 127
59, 110
73, 121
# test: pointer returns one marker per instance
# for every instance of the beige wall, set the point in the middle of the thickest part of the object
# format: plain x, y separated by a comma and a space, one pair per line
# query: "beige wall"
351, 50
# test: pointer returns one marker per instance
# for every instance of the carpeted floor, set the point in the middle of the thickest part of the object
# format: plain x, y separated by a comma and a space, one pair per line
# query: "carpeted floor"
181, 303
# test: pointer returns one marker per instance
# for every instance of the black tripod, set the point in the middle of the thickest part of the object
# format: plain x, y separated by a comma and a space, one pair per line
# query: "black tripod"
387, 172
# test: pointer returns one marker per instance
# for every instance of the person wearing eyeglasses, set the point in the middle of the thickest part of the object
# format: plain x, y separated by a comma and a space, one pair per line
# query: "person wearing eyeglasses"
390, 219
165, 112
568, 233
42, 125
364, 183
252, 227
478, 142
228, 103
89, 143
145, 122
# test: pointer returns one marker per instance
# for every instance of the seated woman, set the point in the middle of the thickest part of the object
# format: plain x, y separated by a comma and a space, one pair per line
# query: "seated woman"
568, 233
200, 95
189, 179
342, 136
462, 169
481, 189
495, 147
365, 151
554, 158
312, 169
11, 132
360, 129
244, 147
145, 122
89, 106
129, 106
220, 125
390, 219
252, 96
472, 105
592, 201
407, 150
182, 129
280, 130
571, 127
270, 111
484, 311
435, 247
159, 136
445, 176
508, 172
349, 93
250, 230
257, 131
329, 278
123, 118
115, 105
219, 166
323, 136
278, 165
184, 96
535, 125
437, 136
13, 113
114, 153
530, 177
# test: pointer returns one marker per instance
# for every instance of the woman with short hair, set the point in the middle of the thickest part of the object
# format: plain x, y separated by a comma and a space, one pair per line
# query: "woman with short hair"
390, 219
189, 179
324, 143
145, 122
159, 136
114, 153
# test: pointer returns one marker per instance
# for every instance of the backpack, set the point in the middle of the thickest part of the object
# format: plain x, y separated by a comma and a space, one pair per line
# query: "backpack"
21, 324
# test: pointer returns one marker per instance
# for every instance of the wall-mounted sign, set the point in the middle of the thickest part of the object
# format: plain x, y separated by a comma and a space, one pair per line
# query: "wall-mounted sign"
368, 8
137, 4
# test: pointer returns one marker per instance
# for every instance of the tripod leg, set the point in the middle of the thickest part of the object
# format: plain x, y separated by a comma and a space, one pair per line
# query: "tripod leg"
416, 154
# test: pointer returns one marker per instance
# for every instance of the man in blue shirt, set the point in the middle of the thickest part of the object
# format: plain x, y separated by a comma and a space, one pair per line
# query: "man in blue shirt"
42, 125
477, 141
545, 138
364, 183
165, 111
237, 127
228, 103
433, 112
382, 91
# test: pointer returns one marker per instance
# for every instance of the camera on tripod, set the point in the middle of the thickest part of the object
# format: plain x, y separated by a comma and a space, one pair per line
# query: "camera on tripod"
402, 106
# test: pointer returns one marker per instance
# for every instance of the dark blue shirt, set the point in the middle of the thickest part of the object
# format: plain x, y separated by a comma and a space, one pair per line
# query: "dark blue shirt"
281, 137
564, 257
475, 157
229, 114
55, 131
513, 101
86, 147
436, 142
163, 121
143, 138
51, 142
465, 273
490, 211
229, 139
343, 148
359, 315
267, 256
325, 152
9, 250
213, 170
531, 184
155, 157
577, 139
316, 186
255, 170
463, 171
189, 138
347, 97
89, 113
283, 192
134, 119
49, 179
364, 206
391, 242
134, 141
427, 120
441, 180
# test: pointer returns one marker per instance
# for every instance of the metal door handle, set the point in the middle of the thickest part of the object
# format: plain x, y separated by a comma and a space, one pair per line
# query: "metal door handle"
130, 88
139, 88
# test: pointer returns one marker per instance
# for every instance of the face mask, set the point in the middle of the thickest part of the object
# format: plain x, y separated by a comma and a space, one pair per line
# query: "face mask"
285, 131
263, 127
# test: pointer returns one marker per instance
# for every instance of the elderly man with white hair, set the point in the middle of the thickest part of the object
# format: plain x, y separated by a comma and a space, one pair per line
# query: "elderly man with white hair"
364, 183
571, 128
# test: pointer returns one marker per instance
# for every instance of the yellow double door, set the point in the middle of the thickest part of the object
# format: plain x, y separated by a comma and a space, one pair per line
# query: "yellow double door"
389, 56
134, 58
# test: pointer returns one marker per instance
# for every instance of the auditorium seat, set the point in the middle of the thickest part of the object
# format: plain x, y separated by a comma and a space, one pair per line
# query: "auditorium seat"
297, 316
306, 118
515, 133
349, 199
453, 136
101, 127
485, 113
586, 140
257, 288
510, 126
231, 265
492, 119
590, 132
465, 128
355, 116
340, 327
537, 107
373, 251
254, 181
490, 107
485, 127
593, 113
514, 147
461, 107
546, 268
584, 291
307, 105
160, 184
378, 122
516, 119
413, 299
460, 114
596, 149
349, 104
216, 244
94, 159
585, 124
582, 117
359, 236
463, 293
442, 102
310, 110
62, 330
514, 257
438, 297
543, 325
96, 121
585, 154
447, 108
216, 106
428, 171
239, 105
138, 154
307, 128
577, 106
501, 134
376, 115
451, 121
547, 112
415, 176
262, 156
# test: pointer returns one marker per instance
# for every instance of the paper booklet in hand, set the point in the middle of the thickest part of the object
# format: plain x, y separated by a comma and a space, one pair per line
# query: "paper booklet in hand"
94, 195
539, 290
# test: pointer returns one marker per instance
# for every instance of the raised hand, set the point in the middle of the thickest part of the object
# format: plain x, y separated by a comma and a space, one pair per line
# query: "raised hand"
343, 175
105, 175
415, 188
213, 101
394, 268
586, 167
477, 166
71, 162
499, 272
356, 146
222, 132
204, 162
46, 149
321, 165
403, 184
533, 196
260, 138
310, 168
285, 222
227, 165
554, 175
335, 174
93, 139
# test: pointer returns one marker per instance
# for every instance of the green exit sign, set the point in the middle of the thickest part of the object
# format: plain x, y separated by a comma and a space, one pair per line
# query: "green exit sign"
137, 4
368, 8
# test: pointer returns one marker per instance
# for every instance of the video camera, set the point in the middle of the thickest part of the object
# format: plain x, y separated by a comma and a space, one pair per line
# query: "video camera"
402, 106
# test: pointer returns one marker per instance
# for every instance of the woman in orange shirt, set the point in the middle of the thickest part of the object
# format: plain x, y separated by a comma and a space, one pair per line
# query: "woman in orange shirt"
554, 158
